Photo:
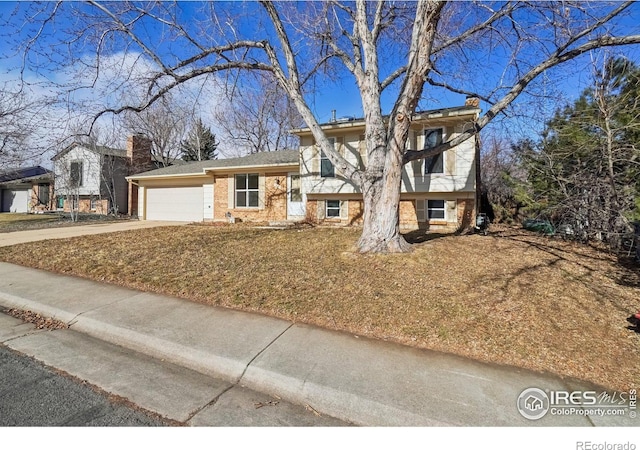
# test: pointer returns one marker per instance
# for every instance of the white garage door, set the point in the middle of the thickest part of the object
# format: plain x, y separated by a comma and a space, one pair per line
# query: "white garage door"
15, 200
182, 204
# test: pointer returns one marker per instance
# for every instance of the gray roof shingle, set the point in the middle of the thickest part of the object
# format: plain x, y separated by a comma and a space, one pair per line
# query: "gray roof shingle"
257, 159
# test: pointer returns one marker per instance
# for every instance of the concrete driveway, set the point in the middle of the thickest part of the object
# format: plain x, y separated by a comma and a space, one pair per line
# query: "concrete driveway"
19, 237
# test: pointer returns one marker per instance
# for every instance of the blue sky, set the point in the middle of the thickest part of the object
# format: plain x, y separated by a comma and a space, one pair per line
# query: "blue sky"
339, 94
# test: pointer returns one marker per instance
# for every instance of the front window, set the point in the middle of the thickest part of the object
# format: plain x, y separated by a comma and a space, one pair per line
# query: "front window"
94, 203
333, 208
435, 209
432, 139
247, 190
327, 170
295, 193
43, 194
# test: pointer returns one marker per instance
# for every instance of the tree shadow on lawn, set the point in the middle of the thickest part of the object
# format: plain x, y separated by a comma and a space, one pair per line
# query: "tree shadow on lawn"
626, 273
630, 276
423, 235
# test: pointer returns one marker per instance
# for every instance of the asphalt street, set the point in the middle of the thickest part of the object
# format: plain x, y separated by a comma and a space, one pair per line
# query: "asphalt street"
34, 395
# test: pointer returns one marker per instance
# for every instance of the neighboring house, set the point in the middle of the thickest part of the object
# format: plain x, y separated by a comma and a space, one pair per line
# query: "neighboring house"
27, 189
91, 178
438, 192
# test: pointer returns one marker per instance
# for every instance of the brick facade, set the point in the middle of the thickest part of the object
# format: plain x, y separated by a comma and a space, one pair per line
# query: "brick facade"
464, 213
273, 199
139, 155
84, 205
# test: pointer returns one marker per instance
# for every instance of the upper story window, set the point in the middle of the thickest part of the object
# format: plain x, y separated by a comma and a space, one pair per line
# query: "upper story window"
327, 170
433, 164
75, 173
247, 190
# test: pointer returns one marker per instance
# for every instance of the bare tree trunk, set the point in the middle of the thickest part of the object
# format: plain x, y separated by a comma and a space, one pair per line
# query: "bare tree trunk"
381, 225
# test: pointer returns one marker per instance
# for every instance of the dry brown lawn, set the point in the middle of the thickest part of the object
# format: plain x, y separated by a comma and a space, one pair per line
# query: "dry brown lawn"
510, 298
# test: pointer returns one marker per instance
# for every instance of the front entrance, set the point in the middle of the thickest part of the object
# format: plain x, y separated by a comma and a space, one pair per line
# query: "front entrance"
295, 197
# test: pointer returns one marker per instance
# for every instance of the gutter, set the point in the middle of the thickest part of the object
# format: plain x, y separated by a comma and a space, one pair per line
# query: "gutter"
207, 170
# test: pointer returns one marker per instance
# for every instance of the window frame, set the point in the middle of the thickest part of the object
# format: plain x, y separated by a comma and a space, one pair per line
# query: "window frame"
428, 209
247, 191
323, 158
42, 189
72, 180
334, 208
438, 160
295, 190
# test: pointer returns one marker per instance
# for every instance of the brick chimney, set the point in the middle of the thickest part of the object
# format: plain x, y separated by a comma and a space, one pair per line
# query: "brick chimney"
472, 101
139, 155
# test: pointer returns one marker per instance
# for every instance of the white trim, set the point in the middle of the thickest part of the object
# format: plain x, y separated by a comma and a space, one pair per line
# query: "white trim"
207, 170
443, 138
426, 208
327, 207
247, 190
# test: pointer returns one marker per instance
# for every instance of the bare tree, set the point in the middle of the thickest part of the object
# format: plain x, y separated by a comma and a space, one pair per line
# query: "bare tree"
258, 118
503, 179
164, 122
384, 47
17, 114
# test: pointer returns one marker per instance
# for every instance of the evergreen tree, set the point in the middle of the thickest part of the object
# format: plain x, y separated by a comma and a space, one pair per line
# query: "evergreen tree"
200, 144
585, 171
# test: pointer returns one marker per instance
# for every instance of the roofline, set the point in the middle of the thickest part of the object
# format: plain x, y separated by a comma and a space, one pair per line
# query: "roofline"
435, 114
171, 175
211, 169
88, 147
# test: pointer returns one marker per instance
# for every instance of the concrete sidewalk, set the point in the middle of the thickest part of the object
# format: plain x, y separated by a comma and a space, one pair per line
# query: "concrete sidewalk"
351, 378
20, 237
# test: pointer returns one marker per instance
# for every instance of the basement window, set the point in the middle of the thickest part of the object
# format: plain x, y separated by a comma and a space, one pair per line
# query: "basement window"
333, 208
436, 209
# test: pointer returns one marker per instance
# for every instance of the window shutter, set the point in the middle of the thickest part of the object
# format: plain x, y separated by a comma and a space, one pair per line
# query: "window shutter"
315, 159
362, 148
451, 211
340, 148
321, 209
231, 188
261, 190
449, 157
417, 167
344, 209
421, 210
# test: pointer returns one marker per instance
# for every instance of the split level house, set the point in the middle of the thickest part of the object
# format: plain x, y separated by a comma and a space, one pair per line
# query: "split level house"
91, 178
27, 189
302, 184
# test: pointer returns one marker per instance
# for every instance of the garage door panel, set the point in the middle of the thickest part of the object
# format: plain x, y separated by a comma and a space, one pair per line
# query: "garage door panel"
15, 200
175, 203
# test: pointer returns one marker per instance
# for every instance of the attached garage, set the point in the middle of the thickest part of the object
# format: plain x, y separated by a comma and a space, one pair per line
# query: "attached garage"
15, 200
181, 204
